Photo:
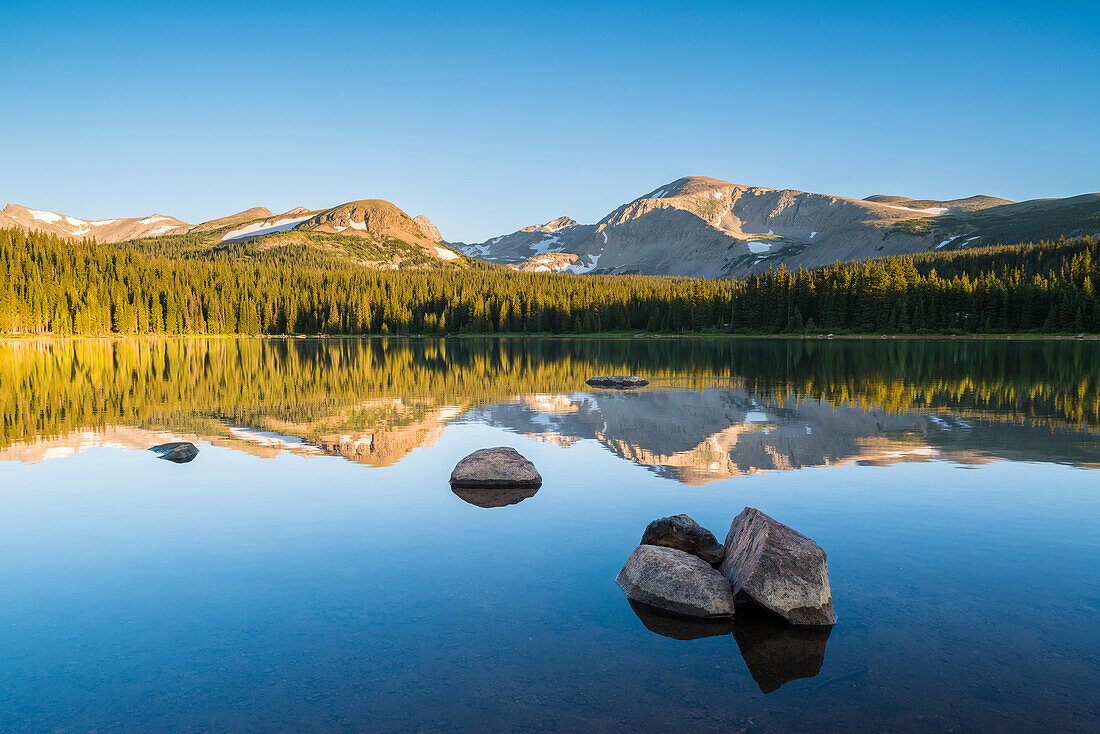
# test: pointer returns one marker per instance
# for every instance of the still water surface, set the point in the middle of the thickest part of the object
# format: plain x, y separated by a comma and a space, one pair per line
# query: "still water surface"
312, 570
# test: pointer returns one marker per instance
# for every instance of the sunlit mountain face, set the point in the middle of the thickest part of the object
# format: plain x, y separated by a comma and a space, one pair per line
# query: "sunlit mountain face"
714, 409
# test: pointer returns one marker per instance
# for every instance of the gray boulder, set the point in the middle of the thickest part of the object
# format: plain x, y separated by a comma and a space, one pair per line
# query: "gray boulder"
675, 581
496, 467
619, 382
778, 568
179, 452
683, 533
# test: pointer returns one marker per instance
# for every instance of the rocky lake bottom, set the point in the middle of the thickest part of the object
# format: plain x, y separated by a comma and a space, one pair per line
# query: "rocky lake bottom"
312, 569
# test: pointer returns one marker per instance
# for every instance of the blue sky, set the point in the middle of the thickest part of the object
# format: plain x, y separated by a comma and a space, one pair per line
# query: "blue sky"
491, 116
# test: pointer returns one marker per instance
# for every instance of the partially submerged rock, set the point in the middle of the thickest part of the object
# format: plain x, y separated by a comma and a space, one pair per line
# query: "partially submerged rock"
679, 627
778, 568
499, 467
776, 652
683, 533
619, 382
493, 496
179, 452
675, 581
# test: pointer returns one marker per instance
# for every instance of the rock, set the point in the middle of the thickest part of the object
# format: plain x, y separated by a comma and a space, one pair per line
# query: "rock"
430, 230
179, 452
496, 467
675, 581
493, 496
776, 652
778, 568
618, 382
683, 533
679, 627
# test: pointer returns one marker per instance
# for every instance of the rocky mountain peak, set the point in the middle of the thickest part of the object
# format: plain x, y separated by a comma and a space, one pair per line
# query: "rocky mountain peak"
430, 230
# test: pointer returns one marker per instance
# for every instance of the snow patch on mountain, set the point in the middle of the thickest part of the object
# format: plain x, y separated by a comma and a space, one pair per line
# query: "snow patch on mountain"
45, 216
581, 269
259, 228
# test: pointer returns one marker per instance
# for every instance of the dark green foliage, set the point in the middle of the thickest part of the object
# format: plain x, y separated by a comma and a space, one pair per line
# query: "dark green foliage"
49, 285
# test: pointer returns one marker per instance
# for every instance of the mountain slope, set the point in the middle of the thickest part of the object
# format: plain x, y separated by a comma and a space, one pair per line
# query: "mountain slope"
104, 230
372, 233
951, 206
706, 227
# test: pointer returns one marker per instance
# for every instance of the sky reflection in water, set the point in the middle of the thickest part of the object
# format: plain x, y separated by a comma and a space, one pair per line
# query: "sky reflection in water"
277, 585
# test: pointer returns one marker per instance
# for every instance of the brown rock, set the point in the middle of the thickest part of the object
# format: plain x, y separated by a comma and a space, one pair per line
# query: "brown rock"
778, 568
178, 452
683, 533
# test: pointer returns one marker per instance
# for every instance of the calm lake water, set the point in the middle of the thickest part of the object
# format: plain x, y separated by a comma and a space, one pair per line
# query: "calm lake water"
312, 570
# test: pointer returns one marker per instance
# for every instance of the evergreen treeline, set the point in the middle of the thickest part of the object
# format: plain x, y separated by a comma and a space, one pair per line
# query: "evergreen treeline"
49, 285
50, 387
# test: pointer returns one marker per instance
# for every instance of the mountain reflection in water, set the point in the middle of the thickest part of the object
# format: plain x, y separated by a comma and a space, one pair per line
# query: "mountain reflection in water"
715, 408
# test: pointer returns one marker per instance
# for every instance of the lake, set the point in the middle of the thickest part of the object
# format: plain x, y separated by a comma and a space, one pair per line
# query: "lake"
312, 570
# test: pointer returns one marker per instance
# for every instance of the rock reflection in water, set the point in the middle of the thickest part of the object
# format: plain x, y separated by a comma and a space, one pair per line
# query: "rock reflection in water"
679, 627
483, 496
776, 652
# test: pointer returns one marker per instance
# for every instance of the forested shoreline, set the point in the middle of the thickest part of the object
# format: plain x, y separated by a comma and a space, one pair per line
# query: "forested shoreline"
52, 286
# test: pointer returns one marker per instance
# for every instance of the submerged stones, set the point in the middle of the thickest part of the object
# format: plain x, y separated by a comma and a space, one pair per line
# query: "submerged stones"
675, 581
178, 452
778, 568
501, 466
683, 533
618, 382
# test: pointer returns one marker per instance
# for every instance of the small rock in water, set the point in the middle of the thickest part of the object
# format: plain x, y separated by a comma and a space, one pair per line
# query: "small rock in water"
502, 467
617, 381
675, 581
778, 568
179, 452
683, 533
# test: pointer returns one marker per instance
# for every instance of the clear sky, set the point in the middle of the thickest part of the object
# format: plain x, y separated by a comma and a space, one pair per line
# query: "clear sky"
490, 116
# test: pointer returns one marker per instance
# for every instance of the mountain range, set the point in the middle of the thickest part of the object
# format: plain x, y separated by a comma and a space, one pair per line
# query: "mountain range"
706, 227
694, 226
691, 436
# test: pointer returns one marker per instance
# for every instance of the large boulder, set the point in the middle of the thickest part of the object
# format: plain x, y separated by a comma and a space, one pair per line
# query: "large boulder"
619, 382
778, 568
675, 581
502, 466
179, 452
776, 652
683, 533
